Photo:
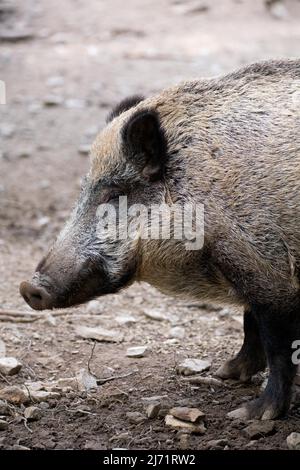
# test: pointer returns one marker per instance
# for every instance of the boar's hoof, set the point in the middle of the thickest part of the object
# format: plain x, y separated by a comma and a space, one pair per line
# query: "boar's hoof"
240, 369
257, 409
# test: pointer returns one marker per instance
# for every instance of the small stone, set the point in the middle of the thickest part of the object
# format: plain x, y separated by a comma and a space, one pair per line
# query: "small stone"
225, 312
134, 417
259, 429
94, 306
24, 153
152, 410
177, 332
32, 413
184, 413
155, 314
239, 413
2, 348
184, 425
42, 395
84, 149
4, 408
42, 222
74, 103
7, 130
154, 399
99, 334
184, 441
279, 11
19, 447
125, 319
50, 319
53, 100
193, 366
55, 81
3, 425
217, 444
14, 394
293, 441
85, 380
136, 351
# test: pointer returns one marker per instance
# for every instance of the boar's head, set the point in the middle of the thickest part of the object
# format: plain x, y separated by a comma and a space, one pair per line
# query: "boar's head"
127, 159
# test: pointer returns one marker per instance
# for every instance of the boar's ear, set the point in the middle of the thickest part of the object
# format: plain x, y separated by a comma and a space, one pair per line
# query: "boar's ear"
123, 106
145, 143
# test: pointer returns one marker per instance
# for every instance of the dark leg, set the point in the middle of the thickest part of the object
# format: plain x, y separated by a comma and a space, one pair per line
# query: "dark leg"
251, 358
278, 330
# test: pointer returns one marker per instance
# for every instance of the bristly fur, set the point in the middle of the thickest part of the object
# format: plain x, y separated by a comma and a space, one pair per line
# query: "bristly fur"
123, 106
233, 146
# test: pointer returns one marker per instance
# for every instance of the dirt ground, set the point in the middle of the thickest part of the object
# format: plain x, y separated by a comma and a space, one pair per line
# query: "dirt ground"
65, 63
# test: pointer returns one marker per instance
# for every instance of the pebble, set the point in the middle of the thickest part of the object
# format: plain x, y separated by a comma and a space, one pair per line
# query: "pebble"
19, 447
217, 444
24, 153
136, 351
184, 425
184, 413
193, 366
177, 332
4, 408
42, 395
55, 81
155, 314
134, 417
279, 11
125, 319
99, 334
94, 306
2, 348
7, 130
184, 441
14, 394
84, 149
154, 398
74, 103
53, 100
259, 429
152, 410
293, 441
3, 425
32, 413
85, 380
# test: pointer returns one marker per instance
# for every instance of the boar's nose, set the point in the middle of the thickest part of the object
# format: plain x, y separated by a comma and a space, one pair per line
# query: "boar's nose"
37, 297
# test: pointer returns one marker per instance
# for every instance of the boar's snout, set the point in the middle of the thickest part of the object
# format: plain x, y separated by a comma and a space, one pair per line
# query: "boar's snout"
36, 296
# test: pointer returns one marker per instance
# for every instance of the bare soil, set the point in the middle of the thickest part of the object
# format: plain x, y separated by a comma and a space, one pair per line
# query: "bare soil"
89, 55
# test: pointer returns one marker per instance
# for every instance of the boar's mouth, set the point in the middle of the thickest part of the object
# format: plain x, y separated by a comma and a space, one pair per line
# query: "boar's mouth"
43, 292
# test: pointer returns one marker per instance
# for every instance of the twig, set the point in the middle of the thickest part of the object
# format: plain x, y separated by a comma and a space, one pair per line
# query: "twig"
25, 424
114, 377
18, 319
209, 381
5, 379
90, 359
19, 313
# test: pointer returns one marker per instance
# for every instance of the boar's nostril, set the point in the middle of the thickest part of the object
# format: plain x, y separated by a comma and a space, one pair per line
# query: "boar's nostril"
36, 296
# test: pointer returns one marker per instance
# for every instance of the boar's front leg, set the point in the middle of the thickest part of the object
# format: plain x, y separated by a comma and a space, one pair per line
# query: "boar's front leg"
278, 329
251, 358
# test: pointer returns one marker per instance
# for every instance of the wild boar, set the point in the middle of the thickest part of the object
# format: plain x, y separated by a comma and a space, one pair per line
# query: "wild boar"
231, 144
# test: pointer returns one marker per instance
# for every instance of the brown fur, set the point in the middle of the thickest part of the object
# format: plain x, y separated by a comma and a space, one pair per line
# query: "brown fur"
233, 145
